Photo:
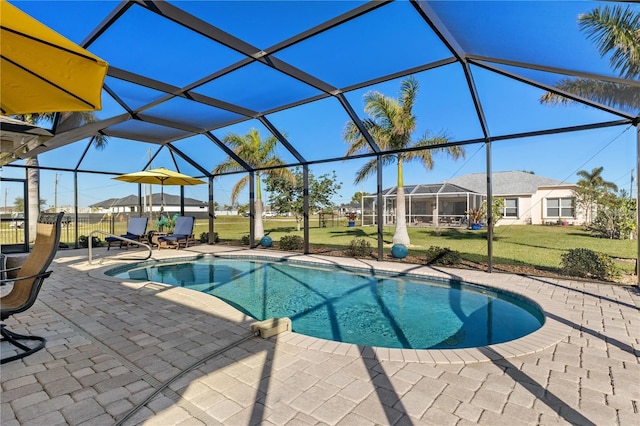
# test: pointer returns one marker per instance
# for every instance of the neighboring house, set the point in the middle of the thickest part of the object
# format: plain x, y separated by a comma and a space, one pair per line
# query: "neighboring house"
131, 204
529, 199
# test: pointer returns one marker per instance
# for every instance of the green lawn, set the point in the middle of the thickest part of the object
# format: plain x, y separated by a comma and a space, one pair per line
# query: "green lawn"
532, 245
528, 245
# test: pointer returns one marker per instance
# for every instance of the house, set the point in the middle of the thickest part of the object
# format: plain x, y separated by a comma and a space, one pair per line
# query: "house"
131, 203
528, 199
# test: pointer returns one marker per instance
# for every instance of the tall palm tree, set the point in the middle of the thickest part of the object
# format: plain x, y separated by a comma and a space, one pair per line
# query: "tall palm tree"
74, 119
257, 153
592, 187
616, 31
391, 124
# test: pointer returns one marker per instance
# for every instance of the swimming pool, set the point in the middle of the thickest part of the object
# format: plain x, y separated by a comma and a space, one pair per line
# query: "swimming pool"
354, 306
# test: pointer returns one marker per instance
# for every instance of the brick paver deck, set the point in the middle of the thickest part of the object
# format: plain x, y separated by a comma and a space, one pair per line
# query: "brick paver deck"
145, 353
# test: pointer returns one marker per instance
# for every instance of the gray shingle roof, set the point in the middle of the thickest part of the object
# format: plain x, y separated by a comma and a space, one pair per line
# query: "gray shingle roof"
505, 183
132, 200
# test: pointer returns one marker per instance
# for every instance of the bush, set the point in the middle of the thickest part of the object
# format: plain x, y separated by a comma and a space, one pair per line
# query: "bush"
442, 256
358, 247
587, 263
291, 242
204, 237
245, 240
83, 241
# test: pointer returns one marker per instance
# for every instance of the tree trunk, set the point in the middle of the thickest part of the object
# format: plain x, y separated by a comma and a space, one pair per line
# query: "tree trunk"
401, 235
33, 192
258, 230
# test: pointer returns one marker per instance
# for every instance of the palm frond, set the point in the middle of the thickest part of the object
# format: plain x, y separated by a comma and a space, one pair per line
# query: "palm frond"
229, 165
408, 93
614, 95
616, 31
371, 166
238, 187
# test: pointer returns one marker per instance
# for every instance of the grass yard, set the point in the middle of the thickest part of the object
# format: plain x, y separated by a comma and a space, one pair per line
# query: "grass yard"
536, 247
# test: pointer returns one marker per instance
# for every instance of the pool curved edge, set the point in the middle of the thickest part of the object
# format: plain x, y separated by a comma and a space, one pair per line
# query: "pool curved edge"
549, 334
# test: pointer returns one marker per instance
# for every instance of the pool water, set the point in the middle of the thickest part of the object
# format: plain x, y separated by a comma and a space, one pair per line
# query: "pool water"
354, 306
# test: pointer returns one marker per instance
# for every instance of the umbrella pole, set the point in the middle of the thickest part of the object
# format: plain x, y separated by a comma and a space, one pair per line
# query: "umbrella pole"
161, 198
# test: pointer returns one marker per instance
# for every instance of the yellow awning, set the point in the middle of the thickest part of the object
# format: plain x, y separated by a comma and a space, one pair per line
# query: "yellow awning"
42, 71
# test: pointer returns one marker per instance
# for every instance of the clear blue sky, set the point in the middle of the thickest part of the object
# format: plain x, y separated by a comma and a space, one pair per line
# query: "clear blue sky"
443, 105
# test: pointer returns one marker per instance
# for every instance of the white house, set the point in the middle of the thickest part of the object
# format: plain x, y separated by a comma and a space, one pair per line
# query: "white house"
529, 199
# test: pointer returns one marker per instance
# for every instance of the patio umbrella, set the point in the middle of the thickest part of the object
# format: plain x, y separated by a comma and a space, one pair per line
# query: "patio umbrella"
42, 71
159, 176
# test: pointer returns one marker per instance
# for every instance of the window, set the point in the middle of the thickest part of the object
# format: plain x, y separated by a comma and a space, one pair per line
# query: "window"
560, 207
510, 207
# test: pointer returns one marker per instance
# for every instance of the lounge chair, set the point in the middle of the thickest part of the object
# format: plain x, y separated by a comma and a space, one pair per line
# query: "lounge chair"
28, 281
182, 234
136, 231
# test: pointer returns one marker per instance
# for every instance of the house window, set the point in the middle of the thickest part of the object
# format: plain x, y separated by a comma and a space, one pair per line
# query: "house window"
560, 207
510, 207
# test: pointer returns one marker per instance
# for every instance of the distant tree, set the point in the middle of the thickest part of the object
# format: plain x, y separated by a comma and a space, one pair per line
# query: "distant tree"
18, 204
288, 196
242, 208
391, 124
357, 197
616, 217
257, 153
616, 32
591, 189
497, 211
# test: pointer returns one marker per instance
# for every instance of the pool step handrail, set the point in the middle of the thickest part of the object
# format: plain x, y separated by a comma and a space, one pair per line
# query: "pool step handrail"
120, 237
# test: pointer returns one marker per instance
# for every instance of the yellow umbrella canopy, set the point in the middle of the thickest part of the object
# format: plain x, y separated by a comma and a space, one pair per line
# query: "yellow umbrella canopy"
159, 176
42, 71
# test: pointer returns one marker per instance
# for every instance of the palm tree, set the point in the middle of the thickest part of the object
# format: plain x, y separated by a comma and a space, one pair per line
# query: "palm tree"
592, 187
258, 154
616, 31
74, 119
391, 124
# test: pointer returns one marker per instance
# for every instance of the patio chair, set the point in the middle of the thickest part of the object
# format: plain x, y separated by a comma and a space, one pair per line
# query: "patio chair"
136, 230
28, 281
182, 234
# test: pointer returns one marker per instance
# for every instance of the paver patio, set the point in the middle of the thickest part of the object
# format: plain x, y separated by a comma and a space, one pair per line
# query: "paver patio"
114, 346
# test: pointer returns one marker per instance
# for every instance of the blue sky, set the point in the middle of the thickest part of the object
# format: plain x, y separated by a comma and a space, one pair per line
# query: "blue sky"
443, 103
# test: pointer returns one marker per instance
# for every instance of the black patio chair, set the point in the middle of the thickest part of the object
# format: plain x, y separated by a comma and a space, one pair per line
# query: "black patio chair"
28, 281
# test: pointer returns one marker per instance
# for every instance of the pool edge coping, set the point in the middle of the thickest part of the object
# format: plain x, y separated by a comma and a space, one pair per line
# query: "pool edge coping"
549, 334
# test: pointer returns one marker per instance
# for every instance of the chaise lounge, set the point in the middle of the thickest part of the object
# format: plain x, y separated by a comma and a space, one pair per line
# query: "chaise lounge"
136, 231
182, 234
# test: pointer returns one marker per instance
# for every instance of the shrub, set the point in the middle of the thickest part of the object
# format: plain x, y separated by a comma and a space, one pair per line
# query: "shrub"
291, 242
442, 256
83, 241
204, 237
358, 247
582, 262
245, 240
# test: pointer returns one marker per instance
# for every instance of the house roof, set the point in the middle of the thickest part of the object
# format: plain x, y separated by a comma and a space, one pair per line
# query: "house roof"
132, 200
506, 183
428, 188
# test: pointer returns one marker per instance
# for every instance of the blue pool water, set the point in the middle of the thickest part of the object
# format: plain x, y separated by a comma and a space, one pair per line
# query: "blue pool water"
353, 306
